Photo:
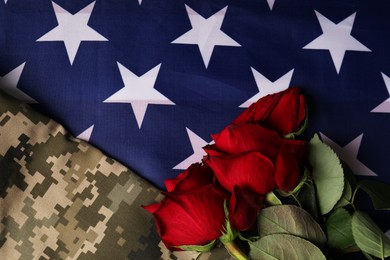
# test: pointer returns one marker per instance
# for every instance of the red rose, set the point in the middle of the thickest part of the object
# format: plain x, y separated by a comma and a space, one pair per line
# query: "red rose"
242, 207
248, 159
194, 217
252, 154
283, 112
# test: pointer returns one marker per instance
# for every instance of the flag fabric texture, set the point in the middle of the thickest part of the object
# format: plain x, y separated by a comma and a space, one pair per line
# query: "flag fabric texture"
61, 198
148, 81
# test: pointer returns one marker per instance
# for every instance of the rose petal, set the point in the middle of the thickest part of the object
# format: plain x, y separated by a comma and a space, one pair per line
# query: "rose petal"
283, 111
258, 111
243, 138
197, 175
289, 164
212, 150
289, 113
243, 208
190, 218
251, 170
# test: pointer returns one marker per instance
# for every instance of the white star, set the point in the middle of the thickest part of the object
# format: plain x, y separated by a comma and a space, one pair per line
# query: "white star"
385, 106
336, 38
139, 92
197, 143
9, 83
267, 87
206, 33
86, 135
349, 153
271, 4
140, 2
5, 1
72, 29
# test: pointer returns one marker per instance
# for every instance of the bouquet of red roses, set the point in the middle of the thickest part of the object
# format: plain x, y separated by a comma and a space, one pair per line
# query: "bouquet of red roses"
277, 195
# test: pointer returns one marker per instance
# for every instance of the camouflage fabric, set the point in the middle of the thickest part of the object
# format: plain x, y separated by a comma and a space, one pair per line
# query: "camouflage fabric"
61, 198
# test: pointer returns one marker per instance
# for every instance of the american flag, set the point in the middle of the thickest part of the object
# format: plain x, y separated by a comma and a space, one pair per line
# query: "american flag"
148, 81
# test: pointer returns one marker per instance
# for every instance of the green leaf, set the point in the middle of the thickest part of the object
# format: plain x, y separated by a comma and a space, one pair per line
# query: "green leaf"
327, 174
368, 237
308, 199
346, 196
204, 248
283, 246
339, 229
379, 193
290, 219
349, 175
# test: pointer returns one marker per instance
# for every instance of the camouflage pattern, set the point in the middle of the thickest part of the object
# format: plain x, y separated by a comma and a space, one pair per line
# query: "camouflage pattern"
62, 198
